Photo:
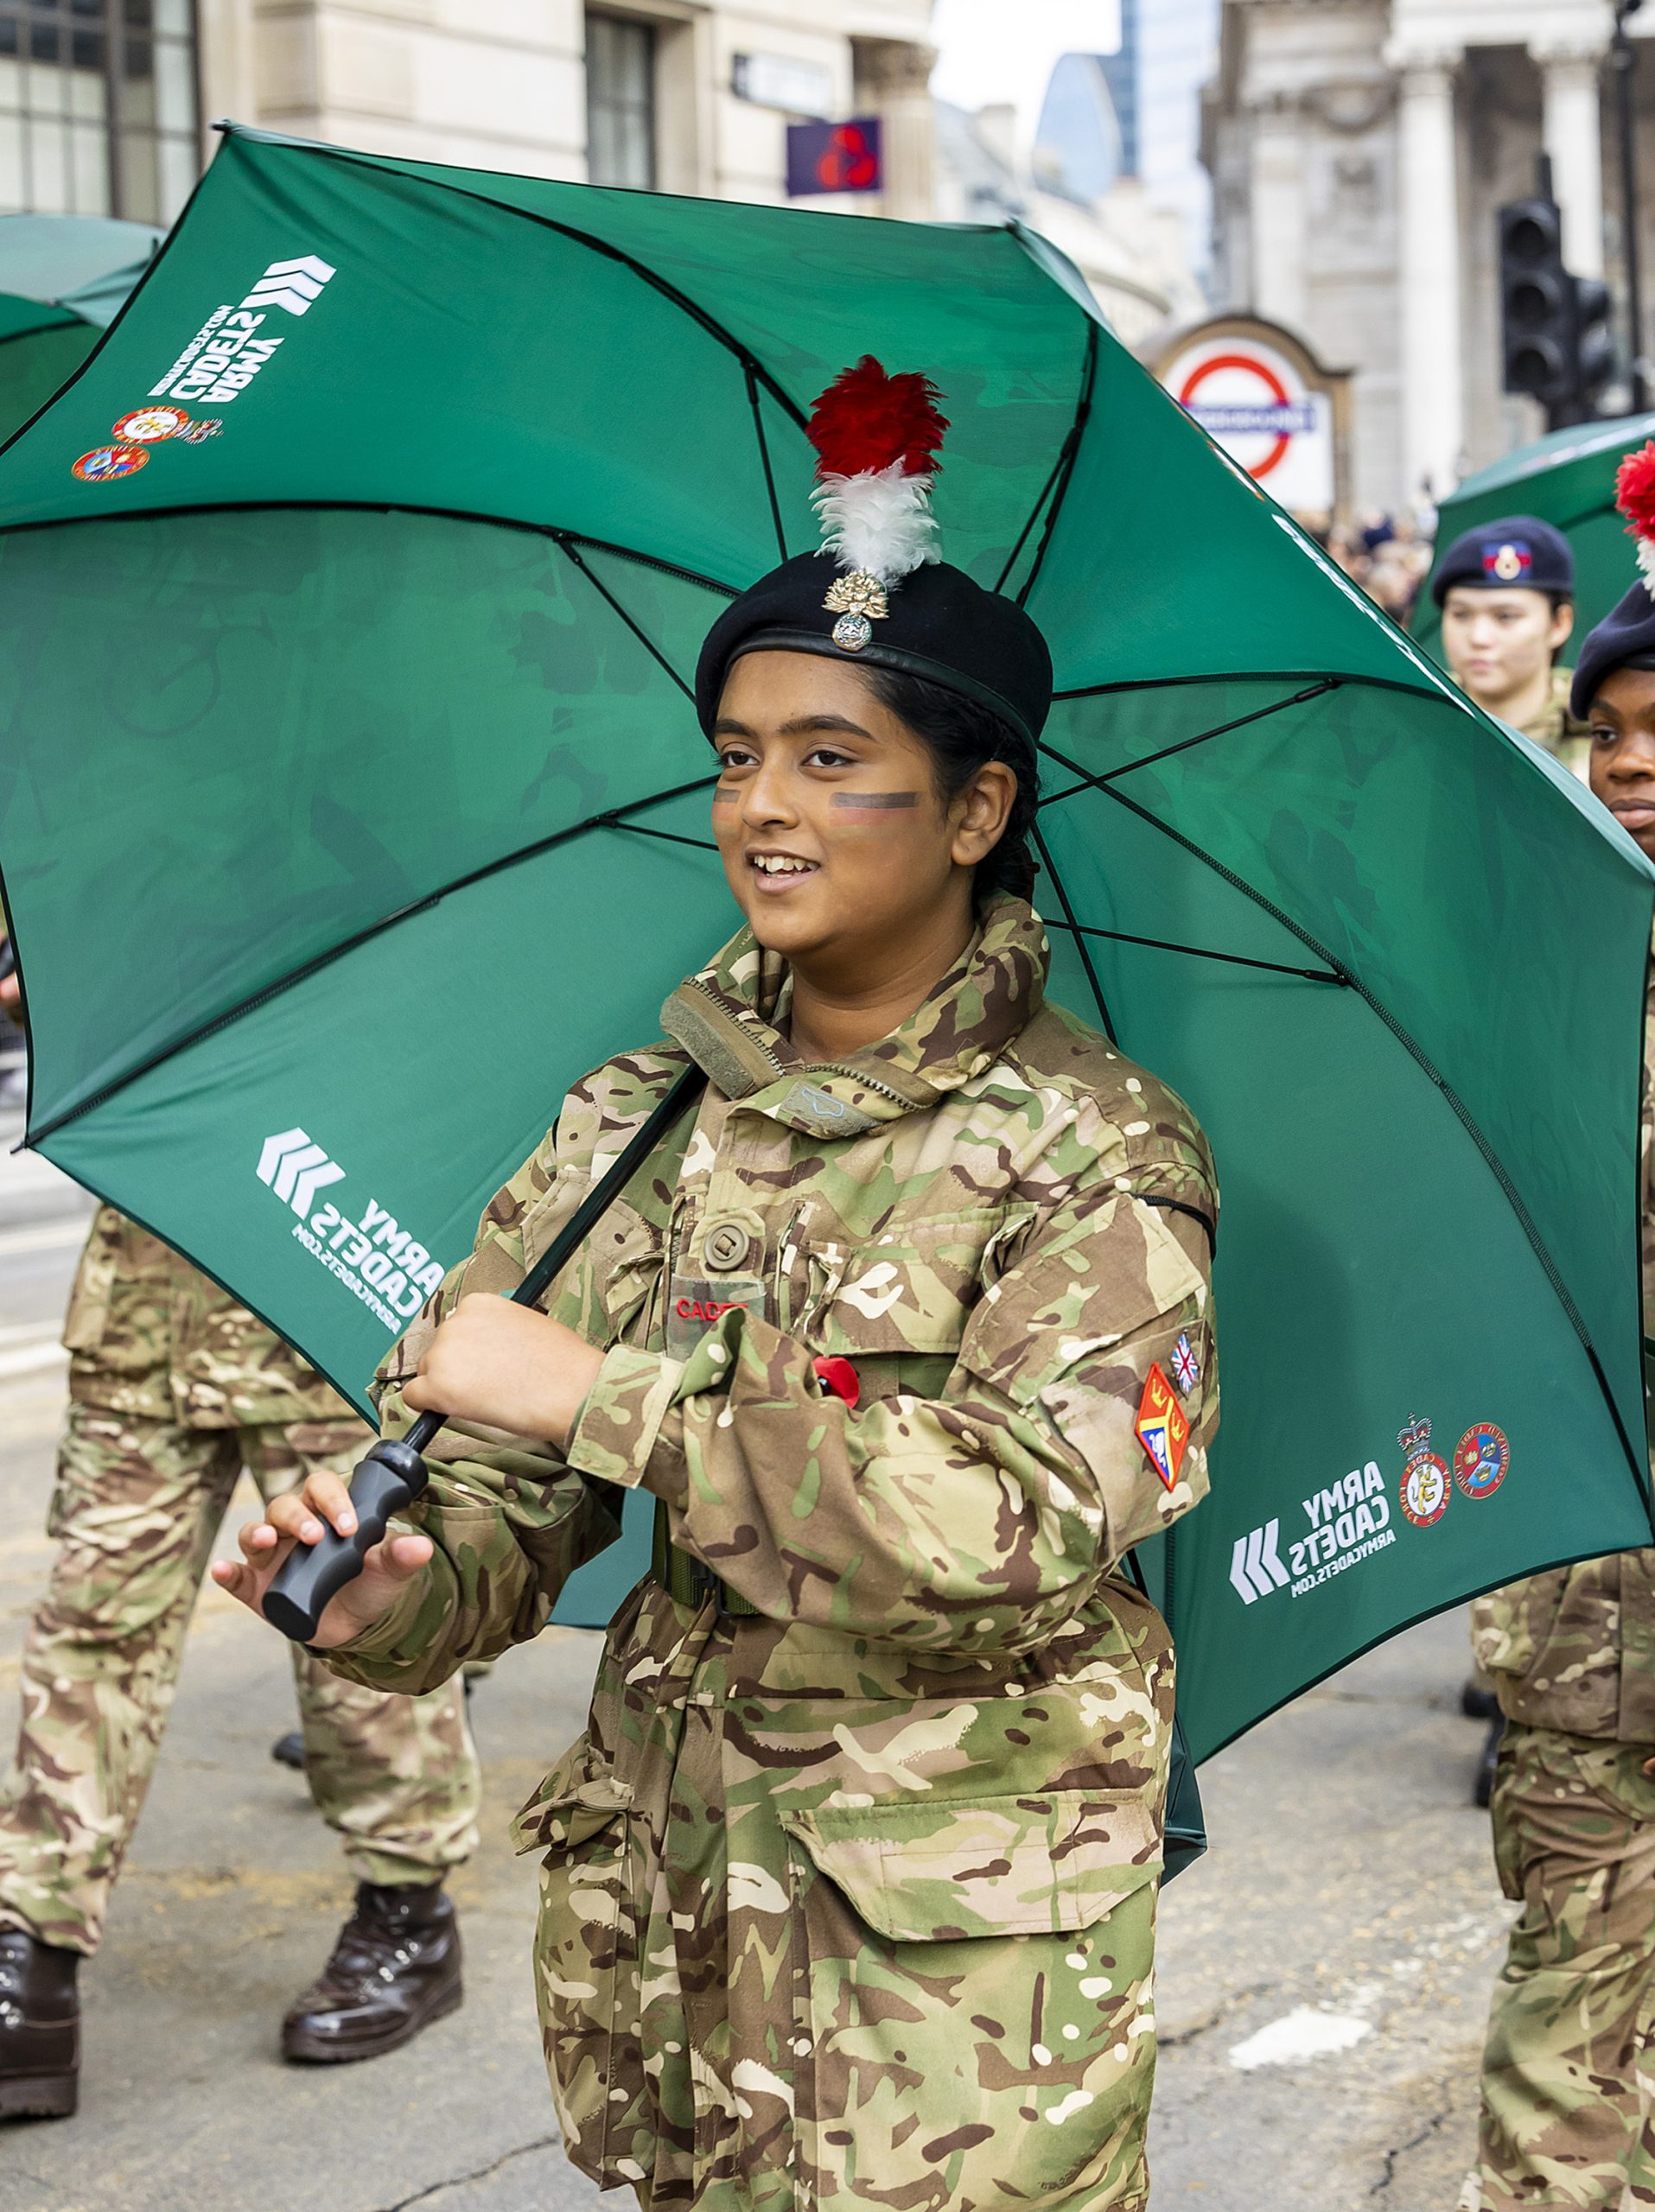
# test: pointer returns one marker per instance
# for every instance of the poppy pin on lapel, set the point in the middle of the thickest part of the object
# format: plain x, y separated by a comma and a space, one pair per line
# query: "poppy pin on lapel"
1163, 1426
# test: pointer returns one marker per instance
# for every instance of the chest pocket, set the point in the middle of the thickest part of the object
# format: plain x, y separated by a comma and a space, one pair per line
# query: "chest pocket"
896, 1309
612, 1297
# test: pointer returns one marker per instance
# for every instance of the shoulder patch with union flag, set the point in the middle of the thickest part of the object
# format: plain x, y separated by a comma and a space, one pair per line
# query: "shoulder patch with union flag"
1163, 1425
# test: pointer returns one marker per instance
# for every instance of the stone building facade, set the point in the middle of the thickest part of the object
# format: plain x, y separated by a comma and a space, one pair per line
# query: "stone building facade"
103, 102
1359, 149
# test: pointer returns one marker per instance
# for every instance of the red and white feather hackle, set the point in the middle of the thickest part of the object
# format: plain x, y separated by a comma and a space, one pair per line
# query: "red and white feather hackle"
876, 438
1634, 494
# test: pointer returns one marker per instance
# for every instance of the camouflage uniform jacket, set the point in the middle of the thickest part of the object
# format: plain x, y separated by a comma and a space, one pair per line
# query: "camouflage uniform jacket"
1558, 730
149, 1335
1575, 1649
950, 1703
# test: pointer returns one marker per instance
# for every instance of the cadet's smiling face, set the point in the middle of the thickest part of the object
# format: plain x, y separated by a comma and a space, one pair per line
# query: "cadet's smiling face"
1622, 767
834, 837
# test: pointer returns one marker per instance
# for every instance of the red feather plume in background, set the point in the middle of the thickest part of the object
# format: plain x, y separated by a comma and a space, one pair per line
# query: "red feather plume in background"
865, 419
1634, 493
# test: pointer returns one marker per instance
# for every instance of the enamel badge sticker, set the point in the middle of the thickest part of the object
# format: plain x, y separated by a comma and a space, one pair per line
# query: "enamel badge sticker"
1481, 1458
1163, 1426
1425, 1493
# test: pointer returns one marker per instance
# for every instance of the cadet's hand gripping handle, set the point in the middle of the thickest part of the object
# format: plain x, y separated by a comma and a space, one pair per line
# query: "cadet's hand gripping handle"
393, 1473
389, 1479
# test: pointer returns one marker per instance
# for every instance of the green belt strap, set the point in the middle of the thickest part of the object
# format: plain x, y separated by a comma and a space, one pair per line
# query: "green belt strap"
686, 1579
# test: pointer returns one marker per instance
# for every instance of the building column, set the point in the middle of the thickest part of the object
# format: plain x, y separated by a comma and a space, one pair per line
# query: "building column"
894, 78
1571, 134
1280, 240
1428, 268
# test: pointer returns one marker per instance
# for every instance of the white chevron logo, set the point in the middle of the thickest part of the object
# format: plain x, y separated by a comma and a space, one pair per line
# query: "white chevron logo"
1254, 1567
294, 285
296, 1169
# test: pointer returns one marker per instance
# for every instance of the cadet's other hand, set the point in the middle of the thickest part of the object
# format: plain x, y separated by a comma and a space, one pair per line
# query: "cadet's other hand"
11, 993
298, 1518
507, 1366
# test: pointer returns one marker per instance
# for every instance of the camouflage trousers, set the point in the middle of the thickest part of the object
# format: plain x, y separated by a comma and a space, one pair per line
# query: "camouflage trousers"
1574, 2005
137, 1504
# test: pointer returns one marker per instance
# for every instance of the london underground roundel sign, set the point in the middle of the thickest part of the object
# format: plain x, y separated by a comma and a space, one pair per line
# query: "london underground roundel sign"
1252, 399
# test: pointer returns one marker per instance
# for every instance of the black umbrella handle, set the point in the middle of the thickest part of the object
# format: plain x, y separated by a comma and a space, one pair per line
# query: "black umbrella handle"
386, 1482
394, 1474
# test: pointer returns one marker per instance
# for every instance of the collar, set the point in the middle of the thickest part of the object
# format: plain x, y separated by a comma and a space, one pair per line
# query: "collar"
726, 1018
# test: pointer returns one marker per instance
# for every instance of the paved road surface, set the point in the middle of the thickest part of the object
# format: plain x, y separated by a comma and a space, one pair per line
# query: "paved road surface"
1324, 1971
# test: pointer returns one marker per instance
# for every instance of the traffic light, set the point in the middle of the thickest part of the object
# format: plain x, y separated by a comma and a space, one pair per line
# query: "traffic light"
1594, 342
1536, 297
1555, 339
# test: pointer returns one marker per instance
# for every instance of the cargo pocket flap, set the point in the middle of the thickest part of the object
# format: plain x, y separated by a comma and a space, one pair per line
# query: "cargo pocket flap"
1022, 1865
577, 1800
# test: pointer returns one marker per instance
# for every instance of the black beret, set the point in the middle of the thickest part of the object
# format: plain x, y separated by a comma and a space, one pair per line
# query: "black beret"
1625, 638
938, 625
1516, 553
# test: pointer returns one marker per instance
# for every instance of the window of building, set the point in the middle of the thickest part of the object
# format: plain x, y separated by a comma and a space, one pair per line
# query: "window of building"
98, 107
620, 100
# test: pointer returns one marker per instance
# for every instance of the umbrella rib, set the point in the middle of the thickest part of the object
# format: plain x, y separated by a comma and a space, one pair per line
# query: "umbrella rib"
666, 836
1066, 460
764, 455
1422, 1060
697, 313
1198, 951
1034, 511
1080, 935
1241, 676
610, 820
558, 534
1219, 729
567, 544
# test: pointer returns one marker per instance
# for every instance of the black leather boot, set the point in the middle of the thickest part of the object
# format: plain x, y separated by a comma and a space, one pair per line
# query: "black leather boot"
395, 1970
40, 2028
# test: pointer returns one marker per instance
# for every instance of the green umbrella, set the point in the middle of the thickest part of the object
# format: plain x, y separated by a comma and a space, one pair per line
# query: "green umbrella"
352, 804
1567, 479
62, 280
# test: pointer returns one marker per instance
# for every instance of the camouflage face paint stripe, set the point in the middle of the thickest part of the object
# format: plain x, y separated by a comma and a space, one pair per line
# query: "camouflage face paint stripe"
876, 801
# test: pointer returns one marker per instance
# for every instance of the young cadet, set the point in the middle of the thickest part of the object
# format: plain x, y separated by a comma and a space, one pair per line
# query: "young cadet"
1572, 1655
850, 1889
172, 1388
1506, 590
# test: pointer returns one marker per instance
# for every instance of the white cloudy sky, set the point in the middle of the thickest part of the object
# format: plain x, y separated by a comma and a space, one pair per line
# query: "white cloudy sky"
1004, 50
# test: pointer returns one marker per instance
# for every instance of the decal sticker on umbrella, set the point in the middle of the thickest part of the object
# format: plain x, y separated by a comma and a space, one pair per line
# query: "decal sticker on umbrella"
1481, 1458
1425, 1492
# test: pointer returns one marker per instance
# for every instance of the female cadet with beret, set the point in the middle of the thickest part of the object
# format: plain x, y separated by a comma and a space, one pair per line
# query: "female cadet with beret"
850, 1887
1568, 2066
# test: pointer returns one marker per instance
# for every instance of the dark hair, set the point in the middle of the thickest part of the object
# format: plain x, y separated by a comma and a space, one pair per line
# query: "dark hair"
961, 736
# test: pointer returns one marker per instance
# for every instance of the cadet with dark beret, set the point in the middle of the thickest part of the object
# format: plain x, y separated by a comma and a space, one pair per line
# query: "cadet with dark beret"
1506, 590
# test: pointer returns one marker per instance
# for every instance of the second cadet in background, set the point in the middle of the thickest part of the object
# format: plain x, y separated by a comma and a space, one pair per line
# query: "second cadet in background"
173, 1390
1506, 590
1568, 2069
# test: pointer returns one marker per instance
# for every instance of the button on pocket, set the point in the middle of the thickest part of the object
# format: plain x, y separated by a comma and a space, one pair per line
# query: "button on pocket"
727, 1246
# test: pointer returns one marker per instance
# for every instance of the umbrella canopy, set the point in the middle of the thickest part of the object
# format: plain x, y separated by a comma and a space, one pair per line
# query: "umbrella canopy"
352, 804
1567, 479
63, 279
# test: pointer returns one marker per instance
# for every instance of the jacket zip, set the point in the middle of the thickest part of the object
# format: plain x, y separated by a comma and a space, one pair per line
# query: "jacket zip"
824, 1067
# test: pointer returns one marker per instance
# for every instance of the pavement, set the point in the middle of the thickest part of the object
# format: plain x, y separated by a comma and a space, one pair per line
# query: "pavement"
1324, 1971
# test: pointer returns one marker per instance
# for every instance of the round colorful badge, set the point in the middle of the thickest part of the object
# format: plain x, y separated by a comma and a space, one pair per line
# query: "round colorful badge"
1425, 1492
1481, 1458
147, 426
105, 463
